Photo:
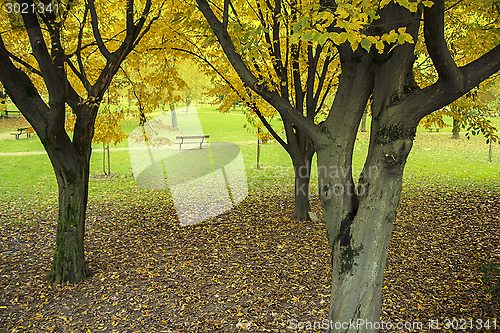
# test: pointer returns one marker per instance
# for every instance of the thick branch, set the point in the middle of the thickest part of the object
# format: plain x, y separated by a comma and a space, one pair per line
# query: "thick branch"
97, 34
23, 92
225, 15
436, 43
423, 102
78, 53
51, 67
24, 63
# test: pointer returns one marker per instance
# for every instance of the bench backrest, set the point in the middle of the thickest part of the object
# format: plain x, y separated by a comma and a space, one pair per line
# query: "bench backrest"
192, 137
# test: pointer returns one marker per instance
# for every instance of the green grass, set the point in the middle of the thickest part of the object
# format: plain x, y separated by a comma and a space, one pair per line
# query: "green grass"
435, 161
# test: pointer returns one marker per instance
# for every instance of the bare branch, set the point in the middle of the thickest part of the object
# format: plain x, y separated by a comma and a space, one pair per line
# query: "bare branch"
24, 63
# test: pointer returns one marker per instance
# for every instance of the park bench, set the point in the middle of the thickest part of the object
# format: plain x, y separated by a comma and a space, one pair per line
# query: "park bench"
431, 129
11, 112
191, 139
20, 131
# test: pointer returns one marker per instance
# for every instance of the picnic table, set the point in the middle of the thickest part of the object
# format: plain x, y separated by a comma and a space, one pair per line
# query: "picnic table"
20, 131
191, 139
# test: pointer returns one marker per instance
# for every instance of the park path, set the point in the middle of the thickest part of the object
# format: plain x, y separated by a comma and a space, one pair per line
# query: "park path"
5, 136
43, 152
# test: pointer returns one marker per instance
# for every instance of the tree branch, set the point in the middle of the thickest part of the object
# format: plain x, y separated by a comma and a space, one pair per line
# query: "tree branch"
225, 15
24, 63
78, 53
252, 106
148, 27
425, 101
282, 106
51, 73
22, 92
97, 34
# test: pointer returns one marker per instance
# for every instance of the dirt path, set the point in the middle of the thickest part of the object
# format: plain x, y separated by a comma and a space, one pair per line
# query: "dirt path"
42, 152
5, 136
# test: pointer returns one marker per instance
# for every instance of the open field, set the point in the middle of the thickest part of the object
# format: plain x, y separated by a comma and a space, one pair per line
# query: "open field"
251, 267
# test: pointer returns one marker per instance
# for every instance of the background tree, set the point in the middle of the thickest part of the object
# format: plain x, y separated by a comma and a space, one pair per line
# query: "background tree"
303, 73
376, 43
75, 50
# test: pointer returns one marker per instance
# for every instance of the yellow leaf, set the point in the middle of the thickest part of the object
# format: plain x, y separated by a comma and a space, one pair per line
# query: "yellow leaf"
392, 37
427, 3
342, 13
239, 314
413, 7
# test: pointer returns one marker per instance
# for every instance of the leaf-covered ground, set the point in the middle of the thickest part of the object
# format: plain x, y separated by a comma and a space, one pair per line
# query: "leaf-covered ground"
252, 268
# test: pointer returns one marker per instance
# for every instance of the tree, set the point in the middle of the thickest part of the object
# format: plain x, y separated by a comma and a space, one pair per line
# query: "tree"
301, 72
74, 63
376, 43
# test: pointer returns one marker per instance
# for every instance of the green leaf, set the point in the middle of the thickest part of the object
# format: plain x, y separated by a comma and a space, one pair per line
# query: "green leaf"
366, 44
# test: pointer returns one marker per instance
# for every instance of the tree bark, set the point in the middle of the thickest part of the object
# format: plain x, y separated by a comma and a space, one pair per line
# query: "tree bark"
302, 172
69, 263
359, 232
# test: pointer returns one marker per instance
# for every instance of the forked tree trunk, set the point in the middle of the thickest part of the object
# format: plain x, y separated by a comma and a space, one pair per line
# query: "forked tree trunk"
359, 225
359, 233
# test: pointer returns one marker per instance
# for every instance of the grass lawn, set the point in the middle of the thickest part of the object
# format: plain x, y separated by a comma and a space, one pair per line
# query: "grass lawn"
251, 266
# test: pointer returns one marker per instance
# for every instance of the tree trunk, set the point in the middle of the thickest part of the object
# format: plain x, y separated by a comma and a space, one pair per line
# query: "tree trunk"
174, 117
302, 172
104, 158
359, 230
258, 148
456, 129
72, 179
490, 153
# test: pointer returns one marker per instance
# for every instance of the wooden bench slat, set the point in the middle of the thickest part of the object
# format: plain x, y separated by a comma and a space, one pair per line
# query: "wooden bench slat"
191, 137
